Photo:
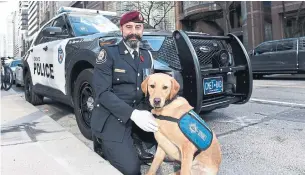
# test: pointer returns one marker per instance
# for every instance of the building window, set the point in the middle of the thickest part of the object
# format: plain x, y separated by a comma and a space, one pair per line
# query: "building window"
295, 30
268, 31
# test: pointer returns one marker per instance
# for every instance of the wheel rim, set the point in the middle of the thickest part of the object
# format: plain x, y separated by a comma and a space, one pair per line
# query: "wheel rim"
86, 102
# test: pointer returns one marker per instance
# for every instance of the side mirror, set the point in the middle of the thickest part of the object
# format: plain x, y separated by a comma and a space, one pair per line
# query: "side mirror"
19, 65
53, 32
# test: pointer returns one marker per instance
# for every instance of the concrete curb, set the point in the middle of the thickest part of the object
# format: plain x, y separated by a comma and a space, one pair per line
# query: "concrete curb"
33, 143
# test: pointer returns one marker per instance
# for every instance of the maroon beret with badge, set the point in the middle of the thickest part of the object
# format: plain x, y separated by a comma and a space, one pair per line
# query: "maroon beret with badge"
133, 16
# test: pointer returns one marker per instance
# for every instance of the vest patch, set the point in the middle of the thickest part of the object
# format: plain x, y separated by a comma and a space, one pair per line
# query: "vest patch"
196, 130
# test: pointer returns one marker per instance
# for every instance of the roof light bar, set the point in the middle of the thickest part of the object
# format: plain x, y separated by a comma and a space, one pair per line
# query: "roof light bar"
72, 9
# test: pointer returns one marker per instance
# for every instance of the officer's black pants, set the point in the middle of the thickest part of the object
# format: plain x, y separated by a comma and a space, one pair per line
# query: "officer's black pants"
123, 155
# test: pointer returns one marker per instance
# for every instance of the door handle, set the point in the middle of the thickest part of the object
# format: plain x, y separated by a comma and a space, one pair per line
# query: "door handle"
45, 48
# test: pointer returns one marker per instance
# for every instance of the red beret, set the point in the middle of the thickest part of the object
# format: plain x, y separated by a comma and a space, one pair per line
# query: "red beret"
133, 16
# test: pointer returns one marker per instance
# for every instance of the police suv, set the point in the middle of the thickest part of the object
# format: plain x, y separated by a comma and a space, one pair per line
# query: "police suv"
213, 71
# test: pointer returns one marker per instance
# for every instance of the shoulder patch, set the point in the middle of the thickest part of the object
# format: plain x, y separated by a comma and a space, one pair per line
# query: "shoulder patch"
102, 57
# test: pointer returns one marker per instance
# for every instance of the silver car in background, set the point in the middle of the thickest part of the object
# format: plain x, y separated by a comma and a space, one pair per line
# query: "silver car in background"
19, 75
13, 64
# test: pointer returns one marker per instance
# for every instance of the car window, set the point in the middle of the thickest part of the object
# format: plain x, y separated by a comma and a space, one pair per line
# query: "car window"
40, 39
265, 48
14, 63
87, 24
285, 45
60, 22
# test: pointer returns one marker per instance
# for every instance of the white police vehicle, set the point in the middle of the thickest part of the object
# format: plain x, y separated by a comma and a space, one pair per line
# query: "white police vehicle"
213, 72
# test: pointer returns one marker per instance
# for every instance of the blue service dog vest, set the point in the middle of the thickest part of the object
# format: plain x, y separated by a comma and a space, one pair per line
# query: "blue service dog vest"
194, 128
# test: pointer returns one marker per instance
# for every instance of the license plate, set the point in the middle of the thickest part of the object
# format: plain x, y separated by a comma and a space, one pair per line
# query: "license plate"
212, 85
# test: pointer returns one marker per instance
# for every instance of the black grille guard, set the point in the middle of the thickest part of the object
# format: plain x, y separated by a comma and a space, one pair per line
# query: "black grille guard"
192, 72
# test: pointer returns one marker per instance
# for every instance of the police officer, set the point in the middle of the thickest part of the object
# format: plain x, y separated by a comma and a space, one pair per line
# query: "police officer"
117, 79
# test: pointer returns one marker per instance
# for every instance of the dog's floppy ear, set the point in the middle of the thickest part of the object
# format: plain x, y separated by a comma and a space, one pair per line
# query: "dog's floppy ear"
144, 86
175, 88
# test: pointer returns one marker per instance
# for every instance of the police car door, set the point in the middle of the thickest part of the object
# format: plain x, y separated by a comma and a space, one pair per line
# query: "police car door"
56, 55
39, 66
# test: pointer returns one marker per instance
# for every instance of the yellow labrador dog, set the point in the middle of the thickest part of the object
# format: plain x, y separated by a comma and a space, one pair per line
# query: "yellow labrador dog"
171, 141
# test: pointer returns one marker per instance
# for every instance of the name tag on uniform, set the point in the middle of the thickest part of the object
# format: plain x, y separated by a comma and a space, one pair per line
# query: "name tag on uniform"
120, 70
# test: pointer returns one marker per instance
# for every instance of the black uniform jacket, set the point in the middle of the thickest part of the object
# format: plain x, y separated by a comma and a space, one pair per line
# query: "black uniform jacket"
117, 82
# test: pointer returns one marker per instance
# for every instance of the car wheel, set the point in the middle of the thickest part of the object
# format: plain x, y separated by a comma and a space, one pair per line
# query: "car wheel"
83, 102
30, 95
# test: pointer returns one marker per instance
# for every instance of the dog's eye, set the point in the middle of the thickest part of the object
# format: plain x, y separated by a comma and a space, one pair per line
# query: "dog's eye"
165, 87
152, 86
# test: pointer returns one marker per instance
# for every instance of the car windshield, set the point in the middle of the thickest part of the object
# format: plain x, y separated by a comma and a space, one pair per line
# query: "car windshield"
84, 24
15, 63
116, 20
153, 42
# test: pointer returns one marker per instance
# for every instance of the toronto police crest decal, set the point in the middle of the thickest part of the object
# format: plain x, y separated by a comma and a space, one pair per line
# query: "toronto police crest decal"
60, 55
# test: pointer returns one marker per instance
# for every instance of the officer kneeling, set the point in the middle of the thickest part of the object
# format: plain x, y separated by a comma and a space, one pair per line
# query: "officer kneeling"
121, 117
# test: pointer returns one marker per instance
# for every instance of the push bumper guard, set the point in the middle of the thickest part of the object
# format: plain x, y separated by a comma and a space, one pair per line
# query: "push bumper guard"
193, 74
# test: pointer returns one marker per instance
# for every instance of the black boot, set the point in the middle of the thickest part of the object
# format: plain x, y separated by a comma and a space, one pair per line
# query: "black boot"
144, 155
97, 147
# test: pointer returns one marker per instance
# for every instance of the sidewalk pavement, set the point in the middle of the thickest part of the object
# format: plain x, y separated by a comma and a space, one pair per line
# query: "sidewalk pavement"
33, 143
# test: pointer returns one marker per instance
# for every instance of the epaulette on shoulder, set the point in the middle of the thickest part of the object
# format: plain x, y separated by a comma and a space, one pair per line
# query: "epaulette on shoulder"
107, 44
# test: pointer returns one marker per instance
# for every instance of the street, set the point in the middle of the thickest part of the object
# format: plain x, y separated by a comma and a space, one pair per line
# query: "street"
264, 136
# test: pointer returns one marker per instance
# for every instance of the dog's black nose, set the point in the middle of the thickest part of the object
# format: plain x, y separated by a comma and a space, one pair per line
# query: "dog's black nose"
157, 101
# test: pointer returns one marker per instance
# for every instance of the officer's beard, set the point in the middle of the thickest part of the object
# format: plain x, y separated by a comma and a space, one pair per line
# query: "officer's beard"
134, 44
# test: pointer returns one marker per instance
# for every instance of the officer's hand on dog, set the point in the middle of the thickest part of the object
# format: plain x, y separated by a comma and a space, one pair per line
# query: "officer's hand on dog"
145, 120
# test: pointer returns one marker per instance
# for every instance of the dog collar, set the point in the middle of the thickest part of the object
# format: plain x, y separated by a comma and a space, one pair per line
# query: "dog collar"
168, 118
169, 101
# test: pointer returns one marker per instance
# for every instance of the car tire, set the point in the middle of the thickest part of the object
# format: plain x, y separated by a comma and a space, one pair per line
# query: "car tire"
30, 95
83, 84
